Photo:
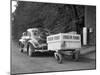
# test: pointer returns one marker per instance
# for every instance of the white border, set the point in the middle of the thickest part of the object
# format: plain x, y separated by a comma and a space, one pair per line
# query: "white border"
5, 37
85, 2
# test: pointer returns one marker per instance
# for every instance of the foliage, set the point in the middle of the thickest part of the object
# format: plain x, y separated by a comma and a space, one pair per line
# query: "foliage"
54, 17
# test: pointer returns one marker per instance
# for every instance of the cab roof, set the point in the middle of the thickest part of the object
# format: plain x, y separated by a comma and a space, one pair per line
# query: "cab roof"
32, 29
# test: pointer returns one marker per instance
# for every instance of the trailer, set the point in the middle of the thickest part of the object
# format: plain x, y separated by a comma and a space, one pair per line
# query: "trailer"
64, 44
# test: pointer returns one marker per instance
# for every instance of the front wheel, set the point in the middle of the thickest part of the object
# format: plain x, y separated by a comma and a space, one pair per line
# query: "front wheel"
30, 50
58, 57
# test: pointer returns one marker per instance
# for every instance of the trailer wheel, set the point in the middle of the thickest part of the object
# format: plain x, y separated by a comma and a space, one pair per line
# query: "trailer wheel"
58, 57
76, 55
30, 50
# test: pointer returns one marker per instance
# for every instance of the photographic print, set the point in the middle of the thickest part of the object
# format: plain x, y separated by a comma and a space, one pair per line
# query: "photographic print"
52, 37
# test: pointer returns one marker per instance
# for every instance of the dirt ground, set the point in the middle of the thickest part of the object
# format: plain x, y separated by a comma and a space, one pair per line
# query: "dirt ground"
45, 62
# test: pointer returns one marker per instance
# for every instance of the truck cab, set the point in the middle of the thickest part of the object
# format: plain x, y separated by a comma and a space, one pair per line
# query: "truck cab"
33, 40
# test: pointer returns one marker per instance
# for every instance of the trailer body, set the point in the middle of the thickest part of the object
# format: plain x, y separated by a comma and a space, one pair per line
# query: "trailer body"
64, 44
64, 41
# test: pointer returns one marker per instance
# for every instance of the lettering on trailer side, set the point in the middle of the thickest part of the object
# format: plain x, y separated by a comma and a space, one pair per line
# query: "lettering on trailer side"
71, 37
67, 37
76, 37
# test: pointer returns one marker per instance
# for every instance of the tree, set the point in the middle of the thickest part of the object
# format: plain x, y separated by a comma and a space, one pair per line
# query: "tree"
54, 17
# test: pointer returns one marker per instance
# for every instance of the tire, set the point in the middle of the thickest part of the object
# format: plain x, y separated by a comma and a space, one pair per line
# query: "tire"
21, 47
76, 55
58, 57
30, 50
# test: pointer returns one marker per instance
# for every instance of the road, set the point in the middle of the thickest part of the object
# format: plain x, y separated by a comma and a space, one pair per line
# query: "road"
21, 63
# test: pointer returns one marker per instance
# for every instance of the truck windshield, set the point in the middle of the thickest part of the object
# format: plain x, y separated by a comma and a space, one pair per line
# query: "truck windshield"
29, 34
35, 33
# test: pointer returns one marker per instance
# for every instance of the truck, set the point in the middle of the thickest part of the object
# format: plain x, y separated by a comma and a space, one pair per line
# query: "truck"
33, 40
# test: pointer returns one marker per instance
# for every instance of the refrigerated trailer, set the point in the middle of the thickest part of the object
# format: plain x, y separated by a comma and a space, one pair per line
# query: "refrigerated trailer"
64, 44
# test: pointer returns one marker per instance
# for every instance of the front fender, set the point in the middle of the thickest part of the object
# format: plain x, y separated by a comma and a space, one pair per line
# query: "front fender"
33, 43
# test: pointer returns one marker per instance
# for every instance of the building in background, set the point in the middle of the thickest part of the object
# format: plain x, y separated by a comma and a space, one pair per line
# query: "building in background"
90, 23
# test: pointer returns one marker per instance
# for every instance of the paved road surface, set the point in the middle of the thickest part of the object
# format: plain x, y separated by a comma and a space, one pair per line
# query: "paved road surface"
21, 63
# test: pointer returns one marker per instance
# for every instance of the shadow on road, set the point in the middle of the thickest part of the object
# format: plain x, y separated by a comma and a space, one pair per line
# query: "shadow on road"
42, 54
